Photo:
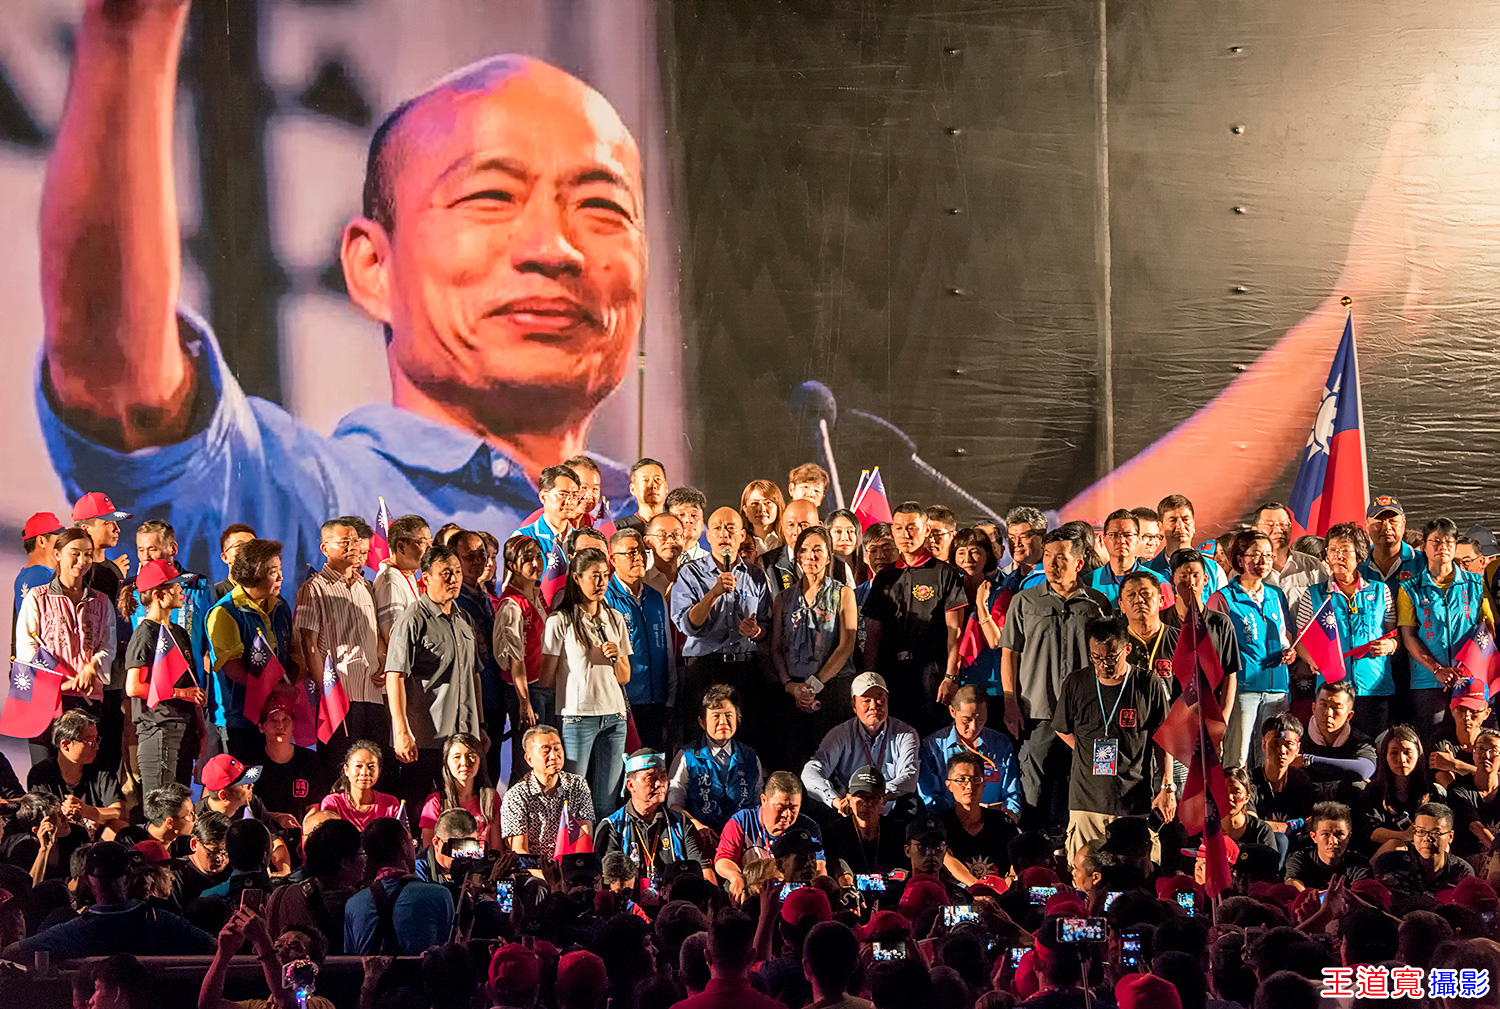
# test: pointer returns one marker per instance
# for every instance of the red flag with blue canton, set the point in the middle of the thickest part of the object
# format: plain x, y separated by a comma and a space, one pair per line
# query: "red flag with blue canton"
33, 696
333, 705
554, 575
380, 542
872, 505
571, 840
167, 667
1478, 656
1323, 644
265, 672
1333, 483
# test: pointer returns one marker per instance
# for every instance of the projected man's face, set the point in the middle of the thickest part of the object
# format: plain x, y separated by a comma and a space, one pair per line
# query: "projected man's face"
515, 273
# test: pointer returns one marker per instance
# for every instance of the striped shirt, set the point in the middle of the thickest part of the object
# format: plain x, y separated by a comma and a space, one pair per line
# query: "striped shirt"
394, 591
341, 616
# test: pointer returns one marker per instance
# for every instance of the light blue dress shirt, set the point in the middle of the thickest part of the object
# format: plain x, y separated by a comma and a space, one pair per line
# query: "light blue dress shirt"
720, 633
849, 746
932, 779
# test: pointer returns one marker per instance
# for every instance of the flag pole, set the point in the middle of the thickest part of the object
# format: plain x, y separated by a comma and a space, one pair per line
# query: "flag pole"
1327, 600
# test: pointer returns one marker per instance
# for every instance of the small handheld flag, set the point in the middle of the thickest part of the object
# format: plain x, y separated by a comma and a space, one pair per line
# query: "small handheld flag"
1321, 640
167, 667
33, 696
333, 702
380, 542
873, 505
554, 575
265, 672
1478, 656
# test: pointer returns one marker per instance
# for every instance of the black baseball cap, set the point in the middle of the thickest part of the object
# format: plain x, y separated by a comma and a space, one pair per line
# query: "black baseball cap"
926, 828
797, 841
867, 780
1129, 836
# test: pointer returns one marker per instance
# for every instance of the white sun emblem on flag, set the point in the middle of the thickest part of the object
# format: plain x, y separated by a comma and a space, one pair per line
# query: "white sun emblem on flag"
1328, 621
1322, 431
22, 680
330, 679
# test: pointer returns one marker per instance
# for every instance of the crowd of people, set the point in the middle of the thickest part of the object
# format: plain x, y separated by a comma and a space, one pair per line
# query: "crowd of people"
761, 754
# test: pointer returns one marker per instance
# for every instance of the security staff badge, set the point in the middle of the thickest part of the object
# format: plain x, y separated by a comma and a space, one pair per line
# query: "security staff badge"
1106, 757
1127, 718
1163, 668
923, 593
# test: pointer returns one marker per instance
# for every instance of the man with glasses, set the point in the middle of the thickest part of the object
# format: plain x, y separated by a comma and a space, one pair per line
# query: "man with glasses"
1000, 783
1436, 612
1426, 866
652, 667
334, 616
1291, 571
1107, 714
1024, 529
865, 842
395, 586
560, 492
1122, 541
1468, 555
667, 540
1332, 827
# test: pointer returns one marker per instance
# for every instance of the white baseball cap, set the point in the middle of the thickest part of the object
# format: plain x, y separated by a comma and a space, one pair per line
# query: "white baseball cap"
865, 682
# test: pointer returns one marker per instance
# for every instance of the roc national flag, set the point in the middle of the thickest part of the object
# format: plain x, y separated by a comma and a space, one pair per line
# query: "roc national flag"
167, 667
1333, 484
33, 696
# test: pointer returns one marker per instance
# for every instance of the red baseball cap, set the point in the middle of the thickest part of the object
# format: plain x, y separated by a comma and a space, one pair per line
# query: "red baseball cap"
581, 975
156, 574
153, 850
919, 895
806, 906
1146, 991
1230, 848
223, 771
1471, 693
277, 701
41, 524
97, 506
515, 967
885, 923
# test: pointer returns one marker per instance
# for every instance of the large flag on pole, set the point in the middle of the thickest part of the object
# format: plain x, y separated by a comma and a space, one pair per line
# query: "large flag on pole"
33, 696
333, 703
1192, 733
380, 543
167, 667
1333, 483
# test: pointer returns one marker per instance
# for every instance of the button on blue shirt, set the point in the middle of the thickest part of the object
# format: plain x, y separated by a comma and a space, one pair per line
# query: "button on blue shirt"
650, 656
720, 633
251, 461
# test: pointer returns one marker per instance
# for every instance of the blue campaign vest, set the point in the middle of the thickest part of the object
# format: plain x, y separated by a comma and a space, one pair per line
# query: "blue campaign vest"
716, 793
227, 704
1259, 630
620, 820
1103, 580
1411, 565
1443, 618
1360, 623
646, 621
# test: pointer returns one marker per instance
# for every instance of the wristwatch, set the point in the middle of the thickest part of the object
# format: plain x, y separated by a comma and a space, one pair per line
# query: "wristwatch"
1170, 787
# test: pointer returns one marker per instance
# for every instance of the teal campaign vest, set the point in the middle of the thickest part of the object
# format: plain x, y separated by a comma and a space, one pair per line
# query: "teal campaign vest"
1360, 621
1443, 618
1259, 629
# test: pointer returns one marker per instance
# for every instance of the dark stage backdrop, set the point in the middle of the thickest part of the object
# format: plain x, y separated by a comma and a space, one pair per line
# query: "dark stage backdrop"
912, 203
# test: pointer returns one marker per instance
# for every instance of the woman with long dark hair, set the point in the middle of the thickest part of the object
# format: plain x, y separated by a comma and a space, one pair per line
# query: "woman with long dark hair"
979, 647
465, 785
849, 563
1258, 611
762, 504
517, 642
354, 797
586, 659
813, 624
1402, 781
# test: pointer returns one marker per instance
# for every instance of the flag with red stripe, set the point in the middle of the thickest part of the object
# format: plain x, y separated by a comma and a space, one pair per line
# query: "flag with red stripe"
333, 702
380, 542
1333, 483
167, 667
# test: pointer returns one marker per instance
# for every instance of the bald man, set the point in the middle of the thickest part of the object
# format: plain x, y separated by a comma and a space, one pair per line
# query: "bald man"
501, 248
780, 563
722, 606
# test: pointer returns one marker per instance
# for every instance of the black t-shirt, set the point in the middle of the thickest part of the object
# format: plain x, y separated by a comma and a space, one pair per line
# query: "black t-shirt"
19, 848
1304, 866
10, 785
1406, 868
105, 579
842, 841
910, 603
1257, 831
291, 787
1448, 743
97, 787
1470, 807
189, 882
1220, 633
1294, 802
1141, 708
1335, 782
140, 654
1380, 808
991, 842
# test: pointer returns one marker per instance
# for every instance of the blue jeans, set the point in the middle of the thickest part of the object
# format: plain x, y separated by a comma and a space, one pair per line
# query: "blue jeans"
594, 746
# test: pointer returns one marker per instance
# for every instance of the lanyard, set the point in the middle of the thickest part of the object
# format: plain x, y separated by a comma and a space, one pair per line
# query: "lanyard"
987, 761
1120, 697
648, 851
1150, 655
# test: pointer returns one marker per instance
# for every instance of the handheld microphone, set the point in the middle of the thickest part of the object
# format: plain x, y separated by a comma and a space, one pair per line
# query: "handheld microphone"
815, 401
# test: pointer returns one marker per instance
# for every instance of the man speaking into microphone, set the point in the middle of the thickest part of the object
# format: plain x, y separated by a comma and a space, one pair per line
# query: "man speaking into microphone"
722, 606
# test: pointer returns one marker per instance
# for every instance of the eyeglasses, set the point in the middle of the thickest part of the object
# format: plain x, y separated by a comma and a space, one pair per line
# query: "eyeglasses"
632, 552
346, 542
931, 849
1107, 659
1121, 534
1342, 552
1430, 835
968, 779
1442, 541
